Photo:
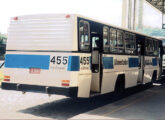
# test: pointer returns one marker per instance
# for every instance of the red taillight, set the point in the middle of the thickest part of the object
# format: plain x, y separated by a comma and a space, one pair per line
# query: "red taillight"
67, 16
15, 18
6, 78
65, 82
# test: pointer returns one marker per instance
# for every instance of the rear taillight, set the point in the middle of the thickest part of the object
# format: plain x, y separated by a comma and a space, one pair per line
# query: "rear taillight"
6, 78
15, 18
65, 82
67, 16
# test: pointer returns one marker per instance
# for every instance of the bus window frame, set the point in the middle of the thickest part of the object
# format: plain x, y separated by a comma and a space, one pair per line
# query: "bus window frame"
131, 51
108, 39
121, 48
79, 36
111, 45
149, 51
157, 47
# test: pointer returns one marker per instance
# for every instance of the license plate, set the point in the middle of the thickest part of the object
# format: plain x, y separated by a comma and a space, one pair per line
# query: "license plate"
34, 70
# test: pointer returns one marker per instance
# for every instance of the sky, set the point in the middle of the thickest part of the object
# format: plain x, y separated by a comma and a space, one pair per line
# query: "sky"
151, 16
109, 11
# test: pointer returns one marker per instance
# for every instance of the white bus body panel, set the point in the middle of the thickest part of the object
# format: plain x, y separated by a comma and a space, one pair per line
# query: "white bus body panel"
150, 68
120, 66
41, 32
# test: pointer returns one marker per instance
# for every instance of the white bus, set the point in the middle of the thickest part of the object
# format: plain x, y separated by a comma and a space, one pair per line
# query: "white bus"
163, 54
76, 56
163, 60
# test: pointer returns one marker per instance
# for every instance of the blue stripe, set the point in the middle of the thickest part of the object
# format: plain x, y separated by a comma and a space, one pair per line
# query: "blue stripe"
154, 61
73, 63
27, 61
133, 62
108, 62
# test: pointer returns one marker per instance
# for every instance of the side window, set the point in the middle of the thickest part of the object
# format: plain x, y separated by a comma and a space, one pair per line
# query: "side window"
120, 43
106, 39
155, 47
127, 41
2, 48
113, 40
84, 38
149, 46
130, 43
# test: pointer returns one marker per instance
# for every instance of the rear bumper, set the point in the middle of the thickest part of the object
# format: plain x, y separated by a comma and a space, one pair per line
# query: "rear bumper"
70, 92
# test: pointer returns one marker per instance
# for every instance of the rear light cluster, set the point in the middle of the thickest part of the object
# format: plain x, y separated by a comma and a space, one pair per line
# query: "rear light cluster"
7, 78
67, 16
65, 82
15, 18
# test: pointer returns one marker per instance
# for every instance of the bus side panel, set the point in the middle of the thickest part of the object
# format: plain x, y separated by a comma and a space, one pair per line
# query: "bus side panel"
84, 75
132, 71
151, 65
121, 65
109, 75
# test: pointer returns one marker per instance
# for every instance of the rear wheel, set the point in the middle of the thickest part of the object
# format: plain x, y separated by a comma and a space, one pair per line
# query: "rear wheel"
153, 79
120, 85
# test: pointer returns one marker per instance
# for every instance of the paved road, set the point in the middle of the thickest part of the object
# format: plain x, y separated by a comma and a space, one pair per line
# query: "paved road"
136, 103
146, 105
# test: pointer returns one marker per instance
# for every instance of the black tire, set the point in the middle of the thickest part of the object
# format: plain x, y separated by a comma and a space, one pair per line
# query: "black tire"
120, 85
153, 79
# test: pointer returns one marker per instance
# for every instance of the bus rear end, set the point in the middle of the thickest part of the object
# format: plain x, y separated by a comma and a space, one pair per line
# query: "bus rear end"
39, 54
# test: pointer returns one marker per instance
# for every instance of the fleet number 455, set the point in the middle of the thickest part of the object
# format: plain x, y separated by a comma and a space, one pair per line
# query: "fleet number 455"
64, 60
59, 60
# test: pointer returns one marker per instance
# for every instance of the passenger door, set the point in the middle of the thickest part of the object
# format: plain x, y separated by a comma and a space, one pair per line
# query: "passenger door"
141, 64
95, 66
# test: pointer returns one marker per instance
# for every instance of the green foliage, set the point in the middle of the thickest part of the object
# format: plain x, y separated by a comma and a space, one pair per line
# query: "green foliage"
3, 38
153, 31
